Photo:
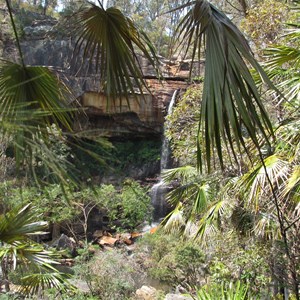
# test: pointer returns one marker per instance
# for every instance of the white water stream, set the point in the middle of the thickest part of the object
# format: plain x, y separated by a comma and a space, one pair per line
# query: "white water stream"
158, 191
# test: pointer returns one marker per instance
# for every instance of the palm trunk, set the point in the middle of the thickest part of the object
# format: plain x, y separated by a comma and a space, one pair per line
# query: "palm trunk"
4, 268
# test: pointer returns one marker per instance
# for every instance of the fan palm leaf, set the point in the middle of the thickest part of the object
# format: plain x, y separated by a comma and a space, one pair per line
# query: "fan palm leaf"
17, 249
192, 191
31, 99
230, 100
255, 184
292, 187
174, 221
266, 226
184, 173
211, 219
108, 39
201, 193
289, 140
34, 88
33, 283
283, 65
192, 201
18, 224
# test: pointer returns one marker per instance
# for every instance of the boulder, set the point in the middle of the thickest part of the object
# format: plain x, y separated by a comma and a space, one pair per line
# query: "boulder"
64, 242
108, 241
98, 234
146, 293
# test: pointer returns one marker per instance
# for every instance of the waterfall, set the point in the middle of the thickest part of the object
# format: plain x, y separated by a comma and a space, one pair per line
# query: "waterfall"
159, 190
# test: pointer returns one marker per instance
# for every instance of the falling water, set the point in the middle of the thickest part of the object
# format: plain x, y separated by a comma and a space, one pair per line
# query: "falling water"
159, 190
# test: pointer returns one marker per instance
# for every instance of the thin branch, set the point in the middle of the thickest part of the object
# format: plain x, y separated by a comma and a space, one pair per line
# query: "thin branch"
15, 32
292, 224
100, 4
283, 232
234, 7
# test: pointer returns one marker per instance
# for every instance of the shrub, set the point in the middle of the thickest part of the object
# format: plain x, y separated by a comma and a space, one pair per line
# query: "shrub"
112, 275
172, 260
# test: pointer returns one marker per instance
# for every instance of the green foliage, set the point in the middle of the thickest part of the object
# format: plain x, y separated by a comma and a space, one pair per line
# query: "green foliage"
265, 22
51, 294
171, 259
32, 98
50, 201
240, 260
225, 291
229, 258
182, 126
116, 157
133, 207
135, 153
18, 250
282, 66
127, 207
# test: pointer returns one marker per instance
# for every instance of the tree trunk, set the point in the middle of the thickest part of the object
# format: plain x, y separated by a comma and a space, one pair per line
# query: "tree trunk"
4, 268
45, 7
55, 231
244, 6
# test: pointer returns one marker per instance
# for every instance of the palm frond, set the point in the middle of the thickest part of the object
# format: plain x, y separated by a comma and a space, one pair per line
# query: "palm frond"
33, 89
230, 100
33, 283
183, 173
255, 184
201, 198
210, 221
174, 221
31, 99
18, 224
108, 39
16, 228
267, 226
292, 186
283, 65
281, 55
27, 252
179, 194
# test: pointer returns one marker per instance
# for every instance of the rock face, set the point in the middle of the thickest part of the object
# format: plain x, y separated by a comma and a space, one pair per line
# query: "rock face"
143, 117
43, 45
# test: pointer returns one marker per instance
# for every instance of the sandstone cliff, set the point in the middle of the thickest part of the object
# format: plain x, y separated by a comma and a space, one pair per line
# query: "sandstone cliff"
42, 44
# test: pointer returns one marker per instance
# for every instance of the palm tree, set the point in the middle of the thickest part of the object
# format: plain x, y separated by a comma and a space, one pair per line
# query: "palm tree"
198, 209
230, 100
270, 190
202, 205
19, 251
230, 97
231, 108
283, 64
